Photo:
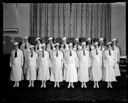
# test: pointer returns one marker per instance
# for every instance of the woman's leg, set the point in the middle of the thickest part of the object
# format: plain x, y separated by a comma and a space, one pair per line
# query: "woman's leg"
110, 85
29, 83
14, 84
97, 84
82, 84
69, 84
55, 84
94, 84
42, 84
85, 85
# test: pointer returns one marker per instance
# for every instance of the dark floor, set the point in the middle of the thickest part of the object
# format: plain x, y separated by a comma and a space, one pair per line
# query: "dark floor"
24, 94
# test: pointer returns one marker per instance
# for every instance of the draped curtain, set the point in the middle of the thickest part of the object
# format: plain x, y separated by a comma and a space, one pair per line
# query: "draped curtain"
70, 20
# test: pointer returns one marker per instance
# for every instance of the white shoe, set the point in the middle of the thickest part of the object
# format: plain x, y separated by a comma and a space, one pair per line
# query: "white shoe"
44, 86
17, 85
68, 86
41, 86
94, 86
81, 86
110, 86
14, 85
85, 86
72, 86
107, 86
29, 85
54, 85
97, 86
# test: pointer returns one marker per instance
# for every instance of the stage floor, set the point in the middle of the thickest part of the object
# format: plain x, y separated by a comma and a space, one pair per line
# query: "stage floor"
24, 94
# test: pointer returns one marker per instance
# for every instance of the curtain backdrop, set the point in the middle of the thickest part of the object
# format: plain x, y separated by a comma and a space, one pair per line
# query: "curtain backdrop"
70, 20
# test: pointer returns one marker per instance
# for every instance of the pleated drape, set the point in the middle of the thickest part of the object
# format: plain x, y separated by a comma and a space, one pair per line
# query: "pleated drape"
70, 20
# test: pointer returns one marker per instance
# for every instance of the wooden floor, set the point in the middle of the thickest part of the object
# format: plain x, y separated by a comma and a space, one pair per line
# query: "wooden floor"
23, 94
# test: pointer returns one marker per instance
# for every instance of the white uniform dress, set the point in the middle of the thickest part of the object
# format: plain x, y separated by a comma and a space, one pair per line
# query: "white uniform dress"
83, 60
102, 48
43, 65
57, 65
71, 66
32, 66
16, 64
117, 58
25, 54
109, 66
64, 49
96, 65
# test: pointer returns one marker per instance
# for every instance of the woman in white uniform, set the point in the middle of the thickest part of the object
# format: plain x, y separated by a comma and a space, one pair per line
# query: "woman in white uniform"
38, 45
71, 66
64, 48
57, 65
25, 47
116, 57
83, 60
43, 66
102, 48
32, 66
16, 64
109, 66
96, 56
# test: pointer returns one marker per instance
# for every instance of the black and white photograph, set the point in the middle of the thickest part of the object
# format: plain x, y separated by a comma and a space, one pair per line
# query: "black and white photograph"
64, 52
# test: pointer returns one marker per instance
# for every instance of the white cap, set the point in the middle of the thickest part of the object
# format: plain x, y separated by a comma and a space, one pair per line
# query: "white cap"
37, 38
57, 44
32, 46
64, 38
89, 39
16, 43
43, 44
26, 37
109, 43
77, 39
96, 43
114, 39
70, 44
83, 43
50, 38
101, 39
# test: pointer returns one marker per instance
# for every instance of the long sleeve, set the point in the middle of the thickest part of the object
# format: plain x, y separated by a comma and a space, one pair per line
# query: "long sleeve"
22, 58
118, 54
11, 58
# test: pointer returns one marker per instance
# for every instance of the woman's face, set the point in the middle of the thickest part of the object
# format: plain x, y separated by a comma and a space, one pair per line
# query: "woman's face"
43, 47
70, 47
16, 47
57, 47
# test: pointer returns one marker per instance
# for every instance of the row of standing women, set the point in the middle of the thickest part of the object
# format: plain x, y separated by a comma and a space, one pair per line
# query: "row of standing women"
58, 62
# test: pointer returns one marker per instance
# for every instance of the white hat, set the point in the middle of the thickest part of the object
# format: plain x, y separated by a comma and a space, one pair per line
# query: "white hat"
26, 37
37, 38
96, 43
83, 43
64, 38
57, 44
16, 43
89, 39
43, 44
70, 44
101, 39
32, 46
114, 39
77, 39
109, 43
50, 38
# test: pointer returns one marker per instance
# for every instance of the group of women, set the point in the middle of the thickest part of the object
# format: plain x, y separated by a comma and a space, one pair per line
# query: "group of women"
83, 62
